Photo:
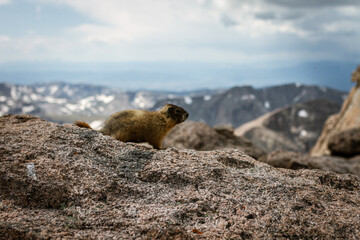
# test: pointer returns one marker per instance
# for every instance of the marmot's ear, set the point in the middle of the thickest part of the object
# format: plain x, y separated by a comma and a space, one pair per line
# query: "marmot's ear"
169, 112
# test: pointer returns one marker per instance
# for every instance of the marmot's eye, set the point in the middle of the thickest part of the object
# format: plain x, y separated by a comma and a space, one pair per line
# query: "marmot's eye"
177, 111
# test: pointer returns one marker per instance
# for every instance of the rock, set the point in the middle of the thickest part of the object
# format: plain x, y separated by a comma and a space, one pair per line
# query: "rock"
64, 182
356, 164
225, 130
356, 76
345, 143
284, 159
293, 128
201, 137
294, 160
347, 118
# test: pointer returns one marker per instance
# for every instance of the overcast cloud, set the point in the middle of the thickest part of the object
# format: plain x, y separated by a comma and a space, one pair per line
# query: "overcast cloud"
202, 30
226, 31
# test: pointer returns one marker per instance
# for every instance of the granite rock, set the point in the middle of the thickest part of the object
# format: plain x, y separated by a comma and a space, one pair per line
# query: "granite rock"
202, 137
64, 182
345, 143
295, 160
347, 118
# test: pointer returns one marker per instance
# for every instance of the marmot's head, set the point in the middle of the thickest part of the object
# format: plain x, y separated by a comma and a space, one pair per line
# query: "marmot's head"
177, 113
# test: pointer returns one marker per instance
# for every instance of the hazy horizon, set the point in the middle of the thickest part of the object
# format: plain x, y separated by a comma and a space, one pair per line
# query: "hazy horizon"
179, 76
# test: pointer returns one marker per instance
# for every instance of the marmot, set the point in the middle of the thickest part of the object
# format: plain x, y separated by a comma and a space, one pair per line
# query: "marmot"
142, 126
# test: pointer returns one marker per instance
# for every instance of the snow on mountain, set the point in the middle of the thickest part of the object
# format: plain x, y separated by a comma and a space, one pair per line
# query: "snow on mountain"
207, 97
145, 100
303, 113
267, 104
188, 100
63, 102
293, 128
239, 105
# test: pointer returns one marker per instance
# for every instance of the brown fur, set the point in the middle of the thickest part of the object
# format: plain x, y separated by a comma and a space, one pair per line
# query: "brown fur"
82, 124
142, 126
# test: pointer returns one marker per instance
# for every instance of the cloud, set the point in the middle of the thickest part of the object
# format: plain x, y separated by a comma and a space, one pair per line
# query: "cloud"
92, 33
312, 3
228, 21
4, 39
309, 20
118, 21
201, 30
4, 2
137, 19
265, 15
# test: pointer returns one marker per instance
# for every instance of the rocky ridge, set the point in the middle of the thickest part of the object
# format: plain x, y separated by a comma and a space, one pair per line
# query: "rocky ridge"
63, 102
347, 118
293, 128
239, 105
60, 181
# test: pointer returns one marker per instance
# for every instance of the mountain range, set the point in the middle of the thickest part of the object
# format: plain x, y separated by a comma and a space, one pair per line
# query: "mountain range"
295, 128
239, 105
63, 102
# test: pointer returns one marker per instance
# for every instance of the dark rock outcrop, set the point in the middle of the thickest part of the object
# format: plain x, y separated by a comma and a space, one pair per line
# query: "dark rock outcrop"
63, 182
345, 143
201, 137
293, 128
294, 160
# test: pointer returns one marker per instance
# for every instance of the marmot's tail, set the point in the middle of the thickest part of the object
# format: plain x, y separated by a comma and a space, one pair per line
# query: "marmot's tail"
82, 124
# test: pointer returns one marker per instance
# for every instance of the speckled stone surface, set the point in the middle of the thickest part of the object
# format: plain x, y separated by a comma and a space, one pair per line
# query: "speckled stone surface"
63, 182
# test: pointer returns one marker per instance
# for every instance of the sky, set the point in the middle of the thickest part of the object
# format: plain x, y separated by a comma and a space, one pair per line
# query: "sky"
180, 44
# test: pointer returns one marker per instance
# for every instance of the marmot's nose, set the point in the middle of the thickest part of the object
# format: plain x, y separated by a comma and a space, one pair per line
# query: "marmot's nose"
185, 116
